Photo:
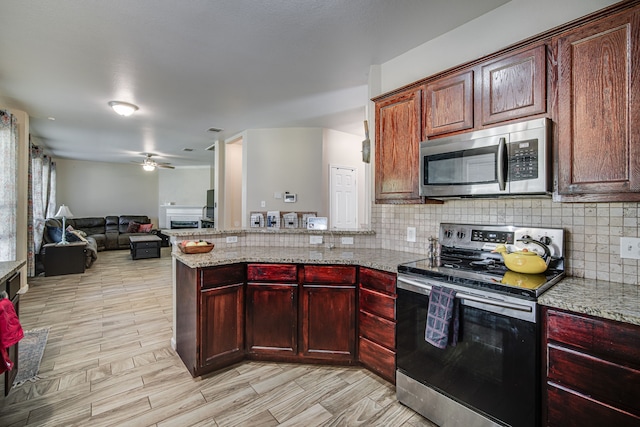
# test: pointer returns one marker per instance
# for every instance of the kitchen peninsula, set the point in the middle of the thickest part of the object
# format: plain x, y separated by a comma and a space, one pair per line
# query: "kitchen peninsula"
285, 302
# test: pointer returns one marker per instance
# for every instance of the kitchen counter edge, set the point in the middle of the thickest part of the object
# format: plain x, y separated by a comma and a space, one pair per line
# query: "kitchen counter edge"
608, 300
7, 268
379, 259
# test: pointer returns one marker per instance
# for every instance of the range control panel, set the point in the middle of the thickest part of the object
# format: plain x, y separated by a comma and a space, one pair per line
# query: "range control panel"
487, 237
492, 236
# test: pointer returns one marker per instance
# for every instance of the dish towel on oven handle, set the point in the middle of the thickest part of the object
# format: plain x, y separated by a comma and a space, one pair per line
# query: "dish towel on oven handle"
442, 317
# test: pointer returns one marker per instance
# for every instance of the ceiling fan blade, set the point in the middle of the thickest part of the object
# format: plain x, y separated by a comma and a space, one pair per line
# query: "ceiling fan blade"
165, 166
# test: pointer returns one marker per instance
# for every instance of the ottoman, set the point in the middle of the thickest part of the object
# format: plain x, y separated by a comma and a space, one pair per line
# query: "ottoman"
145, 246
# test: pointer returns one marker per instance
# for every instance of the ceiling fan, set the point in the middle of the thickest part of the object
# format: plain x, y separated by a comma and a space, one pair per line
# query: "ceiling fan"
149, 164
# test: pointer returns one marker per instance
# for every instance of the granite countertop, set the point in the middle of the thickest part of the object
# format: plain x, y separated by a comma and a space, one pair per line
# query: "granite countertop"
186, 232
7, 268
609, 300
379, 259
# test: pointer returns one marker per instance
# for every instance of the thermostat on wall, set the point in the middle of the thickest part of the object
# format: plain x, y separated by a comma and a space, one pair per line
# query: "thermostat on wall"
290, 198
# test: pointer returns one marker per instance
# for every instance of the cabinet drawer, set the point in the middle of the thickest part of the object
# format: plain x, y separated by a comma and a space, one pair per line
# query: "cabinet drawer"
378, 303
605, 381
377, 358
146, 245
567, 409
224, 275
378, 280
329, 274
613, 340
141, 253
377, 329
272, 272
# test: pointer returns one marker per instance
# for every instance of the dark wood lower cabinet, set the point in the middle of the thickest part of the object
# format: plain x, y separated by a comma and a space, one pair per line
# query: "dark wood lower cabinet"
283, 312
592, 371
209, 316
222, 325
327, 312
272, 319
377, 322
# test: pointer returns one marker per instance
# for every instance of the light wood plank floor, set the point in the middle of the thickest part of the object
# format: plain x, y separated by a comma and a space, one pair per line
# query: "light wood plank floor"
108, 362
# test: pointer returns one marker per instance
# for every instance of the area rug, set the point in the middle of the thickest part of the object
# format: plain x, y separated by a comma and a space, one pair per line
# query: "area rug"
30, 350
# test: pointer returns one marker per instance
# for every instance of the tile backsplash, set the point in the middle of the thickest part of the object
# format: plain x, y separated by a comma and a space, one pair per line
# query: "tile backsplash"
592, 230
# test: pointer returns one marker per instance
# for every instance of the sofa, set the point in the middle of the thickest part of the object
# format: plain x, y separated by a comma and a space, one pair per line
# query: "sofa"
100, 233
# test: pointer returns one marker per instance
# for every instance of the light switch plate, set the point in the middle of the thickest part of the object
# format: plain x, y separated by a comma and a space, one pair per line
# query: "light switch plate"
411, 234
346, 240
630, 247
315, 240
232, 239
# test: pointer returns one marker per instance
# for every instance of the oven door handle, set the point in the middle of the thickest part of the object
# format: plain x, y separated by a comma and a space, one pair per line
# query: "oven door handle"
427, 289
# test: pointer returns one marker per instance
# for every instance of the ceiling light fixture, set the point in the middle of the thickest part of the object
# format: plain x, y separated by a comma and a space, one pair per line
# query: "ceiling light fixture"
148, 164
123, 108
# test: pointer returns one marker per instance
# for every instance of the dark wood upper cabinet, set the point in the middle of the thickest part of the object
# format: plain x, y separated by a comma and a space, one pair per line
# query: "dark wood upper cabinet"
599, 110
514, 86
448, 104
398, 134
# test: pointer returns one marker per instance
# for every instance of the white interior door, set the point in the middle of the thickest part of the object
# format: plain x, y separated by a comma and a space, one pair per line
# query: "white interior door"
344, 197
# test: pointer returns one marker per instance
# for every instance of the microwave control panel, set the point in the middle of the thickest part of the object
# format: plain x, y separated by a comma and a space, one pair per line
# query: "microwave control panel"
523, 160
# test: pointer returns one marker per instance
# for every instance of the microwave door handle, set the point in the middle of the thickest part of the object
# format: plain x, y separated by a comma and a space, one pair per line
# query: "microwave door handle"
501, 165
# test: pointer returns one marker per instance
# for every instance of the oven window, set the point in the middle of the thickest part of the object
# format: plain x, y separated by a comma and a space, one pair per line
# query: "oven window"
476, 166
493, 369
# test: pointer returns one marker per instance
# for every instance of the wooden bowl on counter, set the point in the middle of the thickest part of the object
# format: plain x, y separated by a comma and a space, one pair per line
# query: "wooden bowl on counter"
195, 249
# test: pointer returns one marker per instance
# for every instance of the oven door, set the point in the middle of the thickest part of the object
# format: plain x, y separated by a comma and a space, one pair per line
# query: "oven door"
493, 370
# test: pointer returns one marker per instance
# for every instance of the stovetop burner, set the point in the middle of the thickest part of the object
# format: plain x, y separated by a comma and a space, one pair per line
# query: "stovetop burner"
466, 258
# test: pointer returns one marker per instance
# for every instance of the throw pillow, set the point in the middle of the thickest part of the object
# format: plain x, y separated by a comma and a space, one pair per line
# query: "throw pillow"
145, 228
55, 234
133, 227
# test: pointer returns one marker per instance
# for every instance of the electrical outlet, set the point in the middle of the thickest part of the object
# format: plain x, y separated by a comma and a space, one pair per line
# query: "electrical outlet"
232, 239
411, 234
315, 240
630, 247
346, 240
263, 204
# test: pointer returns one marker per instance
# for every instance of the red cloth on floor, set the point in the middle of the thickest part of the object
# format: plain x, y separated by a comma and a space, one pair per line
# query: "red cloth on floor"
10, 332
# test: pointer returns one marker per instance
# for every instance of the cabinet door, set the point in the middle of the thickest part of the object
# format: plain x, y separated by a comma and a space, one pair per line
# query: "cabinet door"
272, 319
599, 110
328, 322
221, 325
514, 86
448, 104
398, 130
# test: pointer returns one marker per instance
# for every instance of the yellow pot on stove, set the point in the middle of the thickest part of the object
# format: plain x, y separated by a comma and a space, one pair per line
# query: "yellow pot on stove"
523, 261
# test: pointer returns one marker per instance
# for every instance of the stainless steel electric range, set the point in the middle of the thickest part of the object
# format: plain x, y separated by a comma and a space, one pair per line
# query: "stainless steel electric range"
491, 377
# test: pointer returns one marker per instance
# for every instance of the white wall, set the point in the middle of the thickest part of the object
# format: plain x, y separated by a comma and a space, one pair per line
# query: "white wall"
100, 189
184, 186
499, 28
280, 160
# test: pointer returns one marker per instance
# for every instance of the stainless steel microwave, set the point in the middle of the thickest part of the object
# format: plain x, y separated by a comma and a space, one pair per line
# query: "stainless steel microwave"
508, 160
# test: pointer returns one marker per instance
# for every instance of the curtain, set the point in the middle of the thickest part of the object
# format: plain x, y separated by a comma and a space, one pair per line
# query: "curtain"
8, 185
42, 199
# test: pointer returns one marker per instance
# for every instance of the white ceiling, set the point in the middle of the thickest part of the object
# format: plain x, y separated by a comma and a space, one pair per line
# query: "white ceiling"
196, 64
